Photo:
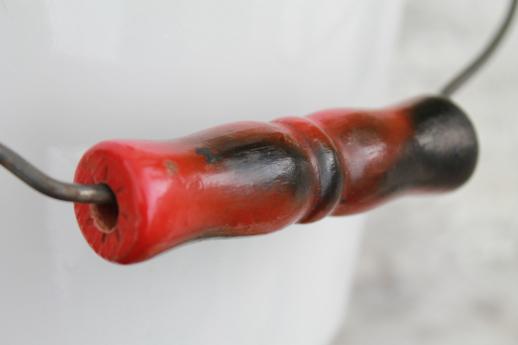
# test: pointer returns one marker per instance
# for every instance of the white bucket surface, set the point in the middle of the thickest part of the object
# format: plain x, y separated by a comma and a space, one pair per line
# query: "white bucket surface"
77, 72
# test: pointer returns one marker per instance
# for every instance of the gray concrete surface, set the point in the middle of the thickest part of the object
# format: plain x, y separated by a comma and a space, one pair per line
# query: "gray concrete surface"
444, 270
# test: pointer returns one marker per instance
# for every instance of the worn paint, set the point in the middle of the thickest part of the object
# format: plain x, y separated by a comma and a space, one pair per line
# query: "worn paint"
253, 178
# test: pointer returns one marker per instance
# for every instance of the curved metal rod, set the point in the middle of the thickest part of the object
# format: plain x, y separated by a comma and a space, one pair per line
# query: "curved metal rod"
465, 74
25, 171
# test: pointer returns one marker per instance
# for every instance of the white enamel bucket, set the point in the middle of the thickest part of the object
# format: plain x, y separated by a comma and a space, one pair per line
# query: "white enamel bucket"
74, 72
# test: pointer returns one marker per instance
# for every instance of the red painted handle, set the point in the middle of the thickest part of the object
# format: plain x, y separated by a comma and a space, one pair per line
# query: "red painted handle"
252, 178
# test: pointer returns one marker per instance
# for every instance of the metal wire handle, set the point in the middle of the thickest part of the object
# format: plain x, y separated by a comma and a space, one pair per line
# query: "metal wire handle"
101, 194
28, 173
471, 69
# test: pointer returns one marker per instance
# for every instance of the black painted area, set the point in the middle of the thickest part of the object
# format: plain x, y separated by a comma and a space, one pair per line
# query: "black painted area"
443, 152
328, 171
330, 178
261, 161
207, 154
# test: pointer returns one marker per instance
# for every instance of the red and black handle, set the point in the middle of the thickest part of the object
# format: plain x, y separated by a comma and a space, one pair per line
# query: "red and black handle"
252, 178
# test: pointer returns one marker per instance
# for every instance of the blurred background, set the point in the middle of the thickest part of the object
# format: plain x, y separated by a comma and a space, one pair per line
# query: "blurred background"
419, 270
445, 270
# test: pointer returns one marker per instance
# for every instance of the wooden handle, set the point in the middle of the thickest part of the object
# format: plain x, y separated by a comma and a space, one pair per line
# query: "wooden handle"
252, 178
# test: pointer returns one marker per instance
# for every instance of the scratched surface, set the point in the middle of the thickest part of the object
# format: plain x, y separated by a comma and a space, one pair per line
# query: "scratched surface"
443, 271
